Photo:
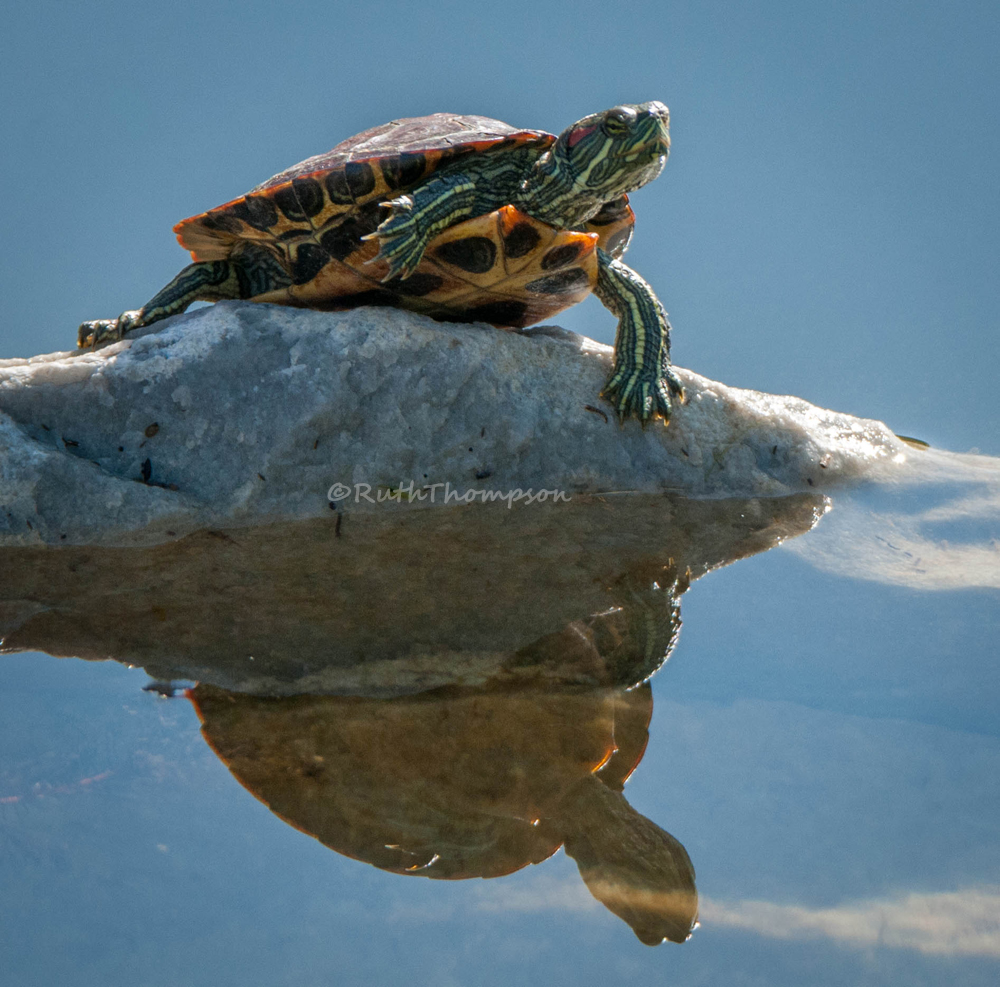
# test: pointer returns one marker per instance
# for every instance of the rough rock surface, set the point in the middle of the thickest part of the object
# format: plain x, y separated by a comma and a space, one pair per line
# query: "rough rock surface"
241, 413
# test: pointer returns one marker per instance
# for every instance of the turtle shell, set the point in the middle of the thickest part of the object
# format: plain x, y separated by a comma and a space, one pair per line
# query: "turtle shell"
440, 785
504, 267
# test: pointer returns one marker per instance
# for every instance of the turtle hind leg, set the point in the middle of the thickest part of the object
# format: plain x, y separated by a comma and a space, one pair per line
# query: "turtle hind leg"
205, 281
251, 271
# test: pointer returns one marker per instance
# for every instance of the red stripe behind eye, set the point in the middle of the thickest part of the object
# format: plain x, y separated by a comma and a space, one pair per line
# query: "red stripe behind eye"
577, 135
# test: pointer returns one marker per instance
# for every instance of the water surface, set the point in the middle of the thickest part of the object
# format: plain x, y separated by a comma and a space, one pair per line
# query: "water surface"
458, 696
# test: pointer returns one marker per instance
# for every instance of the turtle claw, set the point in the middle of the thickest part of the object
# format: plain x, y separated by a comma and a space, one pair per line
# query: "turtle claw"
399, 268
401, 241
642, 397
673, 383
100, 331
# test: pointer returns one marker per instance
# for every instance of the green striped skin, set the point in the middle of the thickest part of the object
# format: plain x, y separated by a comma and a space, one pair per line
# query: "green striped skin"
211, 281
560, 182
208, 281
586, 167
593, 162
250, 271
642, 382
471, 187
596, 160
416, 219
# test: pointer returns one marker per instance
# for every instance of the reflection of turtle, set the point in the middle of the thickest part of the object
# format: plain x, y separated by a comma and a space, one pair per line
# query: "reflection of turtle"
471, 783
461, 217
479, 782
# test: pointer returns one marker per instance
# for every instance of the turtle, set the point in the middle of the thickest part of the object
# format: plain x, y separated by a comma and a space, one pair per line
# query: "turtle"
463, 218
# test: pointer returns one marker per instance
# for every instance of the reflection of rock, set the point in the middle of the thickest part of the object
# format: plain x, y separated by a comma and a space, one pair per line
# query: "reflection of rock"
373, 604
936, 527
438, 692
466, 783
243, 413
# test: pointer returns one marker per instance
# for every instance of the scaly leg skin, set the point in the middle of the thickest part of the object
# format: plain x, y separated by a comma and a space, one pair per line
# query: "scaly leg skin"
216, 278
642, 382
251, 271
418, 217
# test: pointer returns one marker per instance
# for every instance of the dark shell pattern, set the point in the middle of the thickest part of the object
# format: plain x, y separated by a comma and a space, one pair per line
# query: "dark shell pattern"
504, 268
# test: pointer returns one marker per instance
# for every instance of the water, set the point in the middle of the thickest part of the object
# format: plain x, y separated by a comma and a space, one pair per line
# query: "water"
824, 748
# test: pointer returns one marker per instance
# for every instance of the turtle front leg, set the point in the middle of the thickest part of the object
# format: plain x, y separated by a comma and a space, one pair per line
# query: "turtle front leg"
642, 382
418, 217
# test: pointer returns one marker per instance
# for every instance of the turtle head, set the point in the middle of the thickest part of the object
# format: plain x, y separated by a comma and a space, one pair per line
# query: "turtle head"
599, 158
617, 151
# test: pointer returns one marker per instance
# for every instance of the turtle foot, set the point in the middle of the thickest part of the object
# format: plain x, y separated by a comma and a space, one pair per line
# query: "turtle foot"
401, 241
643, 397
101, 331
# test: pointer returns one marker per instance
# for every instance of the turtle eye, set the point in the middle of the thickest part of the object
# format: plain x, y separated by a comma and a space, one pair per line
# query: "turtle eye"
617, 122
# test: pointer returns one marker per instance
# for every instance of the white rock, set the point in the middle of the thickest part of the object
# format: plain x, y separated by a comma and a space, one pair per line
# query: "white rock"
260, 410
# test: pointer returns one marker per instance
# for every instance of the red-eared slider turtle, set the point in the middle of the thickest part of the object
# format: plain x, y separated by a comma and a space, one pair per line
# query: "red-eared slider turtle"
460, 217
